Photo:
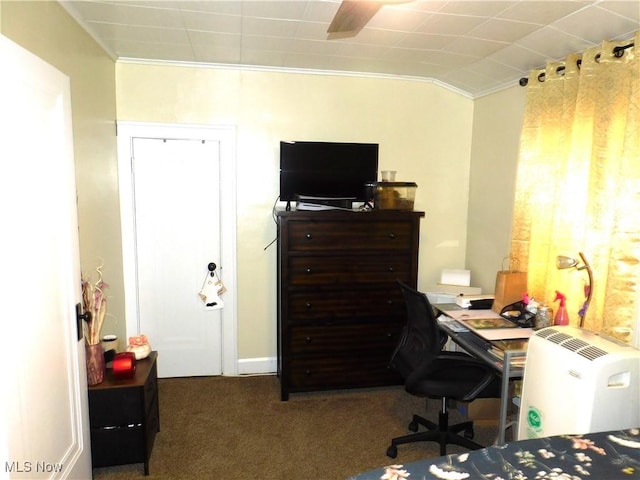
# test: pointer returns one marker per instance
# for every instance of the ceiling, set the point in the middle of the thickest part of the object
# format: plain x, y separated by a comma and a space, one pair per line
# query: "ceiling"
475, 47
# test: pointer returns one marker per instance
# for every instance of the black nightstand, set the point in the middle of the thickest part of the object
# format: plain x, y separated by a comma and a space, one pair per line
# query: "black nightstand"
124, 416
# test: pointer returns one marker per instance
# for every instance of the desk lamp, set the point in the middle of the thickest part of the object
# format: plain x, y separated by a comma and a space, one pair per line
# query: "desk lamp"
562, 263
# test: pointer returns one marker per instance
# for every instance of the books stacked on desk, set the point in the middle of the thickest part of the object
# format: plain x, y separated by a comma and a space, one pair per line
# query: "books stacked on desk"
498, 349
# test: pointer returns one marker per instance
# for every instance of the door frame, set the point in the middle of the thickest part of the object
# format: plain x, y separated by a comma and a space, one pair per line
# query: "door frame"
226, 136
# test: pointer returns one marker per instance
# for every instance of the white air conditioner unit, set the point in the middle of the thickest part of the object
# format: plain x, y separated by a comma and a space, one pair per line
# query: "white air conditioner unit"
576, 381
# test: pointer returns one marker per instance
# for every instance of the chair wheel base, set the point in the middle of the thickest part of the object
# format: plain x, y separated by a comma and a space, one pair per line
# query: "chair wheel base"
392, 451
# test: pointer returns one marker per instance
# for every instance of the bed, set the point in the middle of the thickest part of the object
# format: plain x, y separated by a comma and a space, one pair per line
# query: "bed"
608, 455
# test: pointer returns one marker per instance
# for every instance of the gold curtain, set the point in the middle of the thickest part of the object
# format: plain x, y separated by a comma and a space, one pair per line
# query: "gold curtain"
578, 185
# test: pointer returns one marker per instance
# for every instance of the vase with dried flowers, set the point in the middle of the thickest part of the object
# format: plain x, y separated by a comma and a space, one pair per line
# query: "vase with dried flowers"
94, 303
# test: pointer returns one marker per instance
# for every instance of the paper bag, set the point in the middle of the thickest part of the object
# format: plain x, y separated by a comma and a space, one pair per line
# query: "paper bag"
510, 285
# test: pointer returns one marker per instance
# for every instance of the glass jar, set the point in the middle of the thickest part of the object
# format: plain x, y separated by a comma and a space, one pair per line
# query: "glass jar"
544, 317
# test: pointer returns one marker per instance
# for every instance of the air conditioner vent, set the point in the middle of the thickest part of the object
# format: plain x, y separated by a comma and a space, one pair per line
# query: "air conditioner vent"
559, 338
571, 343
574, 344
545, 333
592, 353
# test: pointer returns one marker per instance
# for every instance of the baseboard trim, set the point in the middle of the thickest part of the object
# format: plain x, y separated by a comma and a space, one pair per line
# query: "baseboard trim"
253, 366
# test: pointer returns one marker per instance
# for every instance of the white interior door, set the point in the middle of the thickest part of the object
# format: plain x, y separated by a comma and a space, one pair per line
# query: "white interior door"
44, 426
176, 192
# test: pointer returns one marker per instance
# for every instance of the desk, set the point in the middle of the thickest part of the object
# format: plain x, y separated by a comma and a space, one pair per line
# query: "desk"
478, 347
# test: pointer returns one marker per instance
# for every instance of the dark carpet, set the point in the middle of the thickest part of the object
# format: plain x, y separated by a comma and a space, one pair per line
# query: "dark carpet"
237, 428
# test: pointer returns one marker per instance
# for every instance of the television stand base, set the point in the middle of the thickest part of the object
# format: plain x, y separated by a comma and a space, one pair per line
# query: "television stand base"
324, 203
315, 207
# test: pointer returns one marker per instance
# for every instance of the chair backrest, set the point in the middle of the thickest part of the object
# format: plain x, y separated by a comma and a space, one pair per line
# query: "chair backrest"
421, 337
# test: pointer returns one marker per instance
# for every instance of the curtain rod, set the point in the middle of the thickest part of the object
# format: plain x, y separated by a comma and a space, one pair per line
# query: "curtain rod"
617, 52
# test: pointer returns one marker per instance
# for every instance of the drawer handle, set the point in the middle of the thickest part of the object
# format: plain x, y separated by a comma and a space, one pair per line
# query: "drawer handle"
309, 236
308, 339
391, 269
308, 270
389, 302
392, 236
307, 305
307, 372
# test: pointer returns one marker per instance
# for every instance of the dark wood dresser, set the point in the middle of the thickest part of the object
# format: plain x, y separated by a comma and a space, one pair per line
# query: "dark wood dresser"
124, 416
340, 309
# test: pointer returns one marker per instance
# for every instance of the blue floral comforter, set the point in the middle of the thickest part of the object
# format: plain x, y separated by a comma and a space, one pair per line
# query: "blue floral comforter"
598, 456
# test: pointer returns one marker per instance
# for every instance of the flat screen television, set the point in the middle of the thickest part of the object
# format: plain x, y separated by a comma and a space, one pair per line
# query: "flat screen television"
327, 169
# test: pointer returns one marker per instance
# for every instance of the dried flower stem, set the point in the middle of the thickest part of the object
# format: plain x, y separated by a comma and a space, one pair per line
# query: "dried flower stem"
94, 302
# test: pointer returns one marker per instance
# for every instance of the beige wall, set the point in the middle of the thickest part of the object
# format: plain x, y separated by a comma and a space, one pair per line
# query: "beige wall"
45, 29
424, 132
496, 135
455, 148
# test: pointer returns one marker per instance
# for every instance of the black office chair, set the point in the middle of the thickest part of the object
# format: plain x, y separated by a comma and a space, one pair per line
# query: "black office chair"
430, 372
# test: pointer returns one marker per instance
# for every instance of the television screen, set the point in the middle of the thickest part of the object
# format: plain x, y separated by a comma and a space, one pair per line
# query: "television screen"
327, 169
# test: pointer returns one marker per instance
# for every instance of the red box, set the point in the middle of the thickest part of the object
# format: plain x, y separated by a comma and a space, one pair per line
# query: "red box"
124, 365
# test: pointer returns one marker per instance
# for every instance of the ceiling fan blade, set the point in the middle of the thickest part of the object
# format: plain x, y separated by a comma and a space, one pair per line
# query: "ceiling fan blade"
352, 16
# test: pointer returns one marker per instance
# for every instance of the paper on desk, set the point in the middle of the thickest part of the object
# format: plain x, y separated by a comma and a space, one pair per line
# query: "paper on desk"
489, 333
467, 314
504, 333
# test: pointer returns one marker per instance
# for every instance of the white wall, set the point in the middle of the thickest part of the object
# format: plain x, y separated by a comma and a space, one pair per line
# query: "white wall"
424, 132
497, 123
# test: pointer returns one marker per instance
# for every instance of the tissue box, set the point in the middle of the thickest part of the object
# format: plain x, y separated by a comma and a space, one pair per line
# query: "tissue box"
394, 195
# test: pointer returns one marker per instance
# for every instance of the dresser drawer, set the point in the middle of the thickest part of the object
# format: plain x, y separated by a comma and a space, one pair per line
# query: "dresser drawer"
376, 337
355, 235
354, 269
337, 305
340, 372
117, 446
116, 407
